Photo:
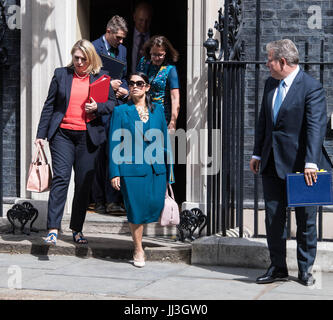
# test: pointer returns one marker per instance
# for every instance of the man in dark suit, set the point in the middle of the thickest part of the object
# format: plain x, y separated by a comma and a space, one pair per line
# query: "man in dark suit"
111, 43
142, 17
289, 138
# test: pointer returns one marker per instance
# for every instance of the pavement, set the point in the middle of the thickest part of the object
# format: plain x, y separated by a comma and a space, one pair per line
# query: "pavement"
58, 277
209, 269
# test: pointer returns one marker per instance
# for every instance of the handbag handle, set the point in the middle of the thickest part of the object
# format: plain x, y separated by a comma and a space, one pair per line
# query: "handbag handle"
171, 191
40, 154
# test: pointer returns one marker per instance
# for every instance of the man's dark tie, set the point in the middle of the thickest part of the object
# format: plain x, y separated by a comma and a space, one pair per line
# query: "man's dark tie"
112, 52
278, 100
139, 53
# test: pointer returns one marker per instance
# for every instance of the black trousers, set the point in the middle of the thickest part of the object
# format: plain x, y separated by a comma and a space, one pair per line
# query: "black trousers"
71, 149
275, 197
102, 191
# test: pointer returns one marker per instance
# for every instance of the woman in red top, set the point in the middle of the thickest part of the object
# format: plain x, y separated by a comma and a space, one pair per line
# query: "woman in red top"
71, 122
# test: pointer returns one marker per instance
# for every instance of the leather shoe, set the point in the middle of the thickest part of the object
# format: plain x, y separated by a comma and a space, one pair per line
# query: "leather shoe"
273, 274
306, 278
100, 208
116, 209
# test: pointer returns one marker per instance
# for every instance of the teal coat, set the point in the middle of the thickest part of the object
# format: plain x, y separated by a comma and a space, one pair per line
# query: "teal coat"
135, 148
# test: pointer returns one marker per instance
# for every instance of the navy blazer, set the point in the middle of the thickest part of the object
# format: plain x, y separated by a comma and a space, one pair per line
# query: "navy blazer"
298, 135
122, 56
56, 105
133, 151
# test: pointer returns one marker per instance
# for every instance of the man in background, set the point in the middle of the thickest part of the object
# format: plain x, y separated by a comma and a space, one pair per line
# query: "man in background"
142, 17
107, 199
111, 44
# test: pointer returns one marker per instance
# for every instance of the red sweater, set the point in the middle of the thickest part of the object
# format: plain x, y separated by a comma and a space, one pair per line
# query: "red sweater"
74, 118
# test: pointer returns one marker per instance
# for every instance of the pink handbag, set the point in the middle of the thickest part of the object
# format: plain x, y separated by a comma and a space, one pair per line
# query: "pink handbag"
40, 174
170, 213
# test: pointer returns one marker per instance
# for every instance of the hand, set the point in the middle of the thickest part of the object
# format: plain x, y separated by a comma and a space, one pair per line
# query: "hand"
115, 84
91, 107
122, 92
255, 165
39, 141
310, 176
172, 125
115, 182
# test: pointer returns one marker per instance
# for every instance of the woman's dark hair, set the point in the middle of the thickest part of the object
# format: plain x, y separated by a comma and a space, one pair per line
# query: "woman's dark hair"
149, 101
172, 54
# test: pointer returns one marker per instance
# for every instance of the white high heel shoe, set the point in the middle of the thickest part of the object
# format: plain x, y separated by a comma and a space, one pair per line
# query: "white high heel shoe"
139, 260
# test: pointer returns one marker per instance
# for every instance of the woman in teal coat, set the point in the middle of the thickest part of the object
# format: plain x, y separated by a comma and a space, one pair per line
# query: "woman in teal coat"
140, 162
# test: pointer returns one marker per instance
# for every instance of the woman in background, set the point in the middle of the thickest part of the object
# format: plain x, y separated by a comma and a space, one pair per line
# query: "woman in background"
158, 63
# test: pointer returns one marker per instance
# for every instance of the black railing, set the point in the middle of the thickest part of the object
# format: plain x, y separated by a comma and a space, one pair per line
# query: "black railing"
227, 83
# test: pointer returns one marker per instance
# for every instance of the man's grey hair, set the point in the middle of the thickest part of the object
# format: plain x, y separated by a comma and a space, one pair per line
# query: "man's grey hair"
117, 23
284, 48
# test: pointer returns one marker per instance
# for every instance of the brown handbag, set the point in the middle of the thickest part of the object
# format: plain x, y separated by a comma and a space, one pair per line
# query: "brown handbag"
40, 174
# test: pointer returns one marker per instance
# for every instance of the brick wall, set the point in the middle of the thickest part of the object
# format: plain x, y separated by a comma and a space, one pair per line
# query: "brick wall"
300, 21
10, 95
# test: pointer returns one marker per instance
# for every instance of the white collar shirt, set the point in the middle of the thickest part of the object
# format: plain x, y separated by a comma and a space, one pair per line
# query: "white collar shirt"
288, 82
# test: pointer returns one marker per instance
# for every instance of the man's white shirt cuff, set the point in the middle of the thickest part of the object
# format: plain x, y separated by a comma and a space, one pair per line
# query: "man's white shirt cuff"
310, 165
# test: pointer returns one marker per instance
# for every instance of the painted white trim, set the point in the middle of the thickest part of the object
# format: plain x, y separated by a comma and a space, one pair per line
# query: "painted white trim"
46, 42
202, 15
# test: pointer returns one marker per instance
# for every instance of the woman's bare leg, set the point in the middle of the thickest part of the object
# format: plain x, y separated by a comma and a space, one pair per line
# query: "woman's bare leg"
137, 232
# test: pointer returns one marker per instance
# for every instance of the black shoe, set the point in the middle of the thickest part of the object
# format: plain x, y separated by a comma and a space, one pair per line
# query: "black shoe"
100, 208
306, 278
116, 209
273, 274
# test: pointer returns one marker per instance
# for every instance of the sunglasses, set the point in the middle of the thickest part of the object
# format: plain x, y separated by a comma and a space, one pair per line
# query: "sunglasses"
139, 84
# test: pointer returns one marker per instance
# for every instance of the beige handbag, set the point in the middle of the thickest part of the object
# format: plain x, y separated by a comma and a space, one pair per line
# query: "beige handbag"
40, 174
170, 213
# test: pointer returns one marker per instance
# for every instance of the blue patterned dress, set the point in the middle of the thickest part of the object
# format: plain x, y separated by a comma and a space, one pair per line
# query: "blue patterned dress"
162, 79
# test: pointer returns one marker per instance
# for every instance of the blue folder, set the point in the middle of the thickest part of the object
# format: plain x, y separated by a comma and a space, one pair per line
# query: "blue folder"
299, 194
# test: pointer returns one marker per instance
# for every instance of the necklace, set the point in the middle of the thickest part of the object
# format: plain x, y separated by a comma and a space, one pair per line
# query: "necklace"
143, 113
80, 76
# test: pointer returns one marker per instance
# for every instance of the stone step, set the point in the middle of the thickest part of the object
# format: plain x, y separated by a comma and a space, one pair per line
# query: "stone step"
108, 236
94, 223
99, 246
252, 253
111, 224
